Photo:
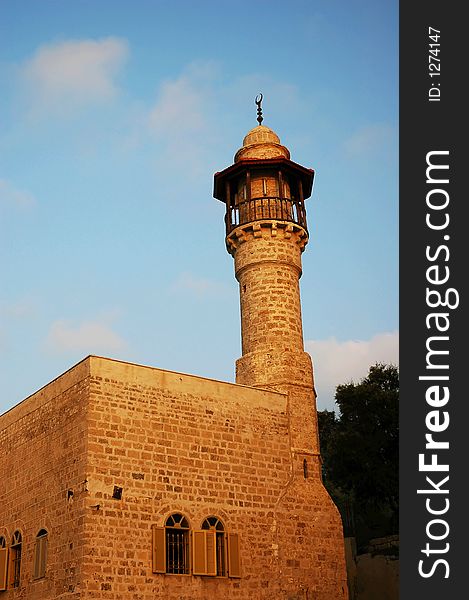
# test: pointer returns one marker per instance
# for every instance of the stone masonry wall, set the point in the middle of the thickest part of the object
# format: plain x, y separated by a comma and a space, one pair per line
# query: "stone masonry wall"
177, 443
170, 443
42, 457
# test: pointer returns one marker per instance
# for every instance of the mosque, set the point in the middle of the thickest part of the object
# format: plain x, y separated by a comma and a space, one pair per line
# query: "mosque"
125, 481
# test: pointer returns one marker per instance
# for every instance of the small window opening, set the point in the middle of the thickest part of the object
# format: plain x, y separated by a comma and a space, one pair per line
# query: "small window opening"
117, 493
305, 468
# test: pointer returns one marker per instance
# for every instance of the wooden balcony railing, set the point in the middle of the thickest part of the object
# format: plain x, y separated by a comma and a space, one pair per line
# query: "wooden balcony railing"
265, 208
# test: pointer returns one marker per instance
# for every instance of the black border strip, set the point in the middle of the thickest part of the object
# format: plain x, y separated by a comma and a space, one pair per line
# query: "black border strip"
432, 126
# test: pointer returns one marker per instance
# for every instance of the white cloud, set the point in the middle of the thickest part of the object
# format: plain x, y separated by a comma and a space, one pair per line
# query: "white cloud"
89, 337
11, 196
70, 74
196, 286
180, 109
338, 362
371, 139
181, 119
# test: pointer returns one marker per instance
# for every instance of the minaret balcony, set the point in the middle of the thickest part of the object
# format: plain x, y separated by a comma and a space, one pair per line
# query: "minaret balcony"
265, 208
240, 185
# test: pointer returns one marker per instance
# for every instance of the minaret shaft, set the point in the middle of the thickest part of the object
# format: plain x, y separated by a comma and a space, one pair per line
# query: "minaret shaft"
268, 270
267, 258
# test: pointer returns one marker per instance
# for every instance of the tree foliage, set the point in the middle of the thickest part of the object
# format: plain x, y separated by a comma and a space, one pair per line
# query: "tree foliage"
360, 447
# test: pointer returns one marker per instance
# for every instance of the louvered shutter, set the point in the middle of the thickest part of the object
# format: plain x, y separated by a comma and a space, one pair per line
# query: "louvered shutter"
37, 558
43, 556
3, 568
211, 552
199, 562
40, 557
233, 555
158, 549
204, 552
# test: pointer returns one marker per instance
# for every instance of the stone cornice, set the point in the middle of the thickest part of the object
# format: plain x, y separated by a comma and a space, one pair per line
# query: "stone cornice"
264, 228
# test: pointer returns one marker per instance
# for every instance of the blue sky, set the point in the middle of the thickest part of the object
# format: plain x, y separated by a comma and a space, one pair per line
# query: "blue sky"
114, 116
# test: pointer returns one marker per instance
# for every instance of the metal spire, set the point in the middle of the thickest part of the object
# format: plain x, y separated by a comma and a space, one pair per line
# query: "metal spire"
258, 101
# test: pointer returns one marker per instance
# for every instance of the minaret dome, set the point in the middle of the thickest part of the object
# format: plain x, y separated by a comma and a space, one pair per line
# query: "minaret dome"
260, 143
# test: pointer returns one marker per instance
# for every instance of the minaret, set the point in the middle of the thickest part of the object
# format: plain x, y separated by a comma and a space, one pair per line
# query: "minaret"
266, 232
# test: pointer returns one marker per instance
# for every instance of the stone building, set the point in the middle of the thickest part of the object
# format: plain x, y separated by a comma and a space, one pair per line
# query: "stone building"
122, 481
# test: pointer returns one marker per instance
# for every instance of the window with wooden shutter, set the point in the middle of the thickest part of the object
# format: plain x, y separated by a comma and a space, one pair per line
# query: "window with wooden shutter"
159, 550
3, 568
204, 553
40, 555
215, 525
233, 555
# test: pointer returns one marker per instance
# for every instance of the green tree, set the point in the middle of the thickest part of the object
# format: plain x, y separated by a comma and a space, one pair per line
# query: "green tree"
360, 448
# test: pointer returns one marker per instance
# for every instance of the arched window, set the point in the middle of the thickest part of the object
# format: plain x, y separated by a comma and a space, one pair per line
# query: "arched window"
40, 555
177, 544
15, 560
214, 524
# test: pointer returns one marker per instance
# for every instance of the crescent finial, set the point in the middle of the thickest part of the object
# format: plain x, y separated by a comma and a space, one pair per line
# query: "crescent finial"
258, 101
